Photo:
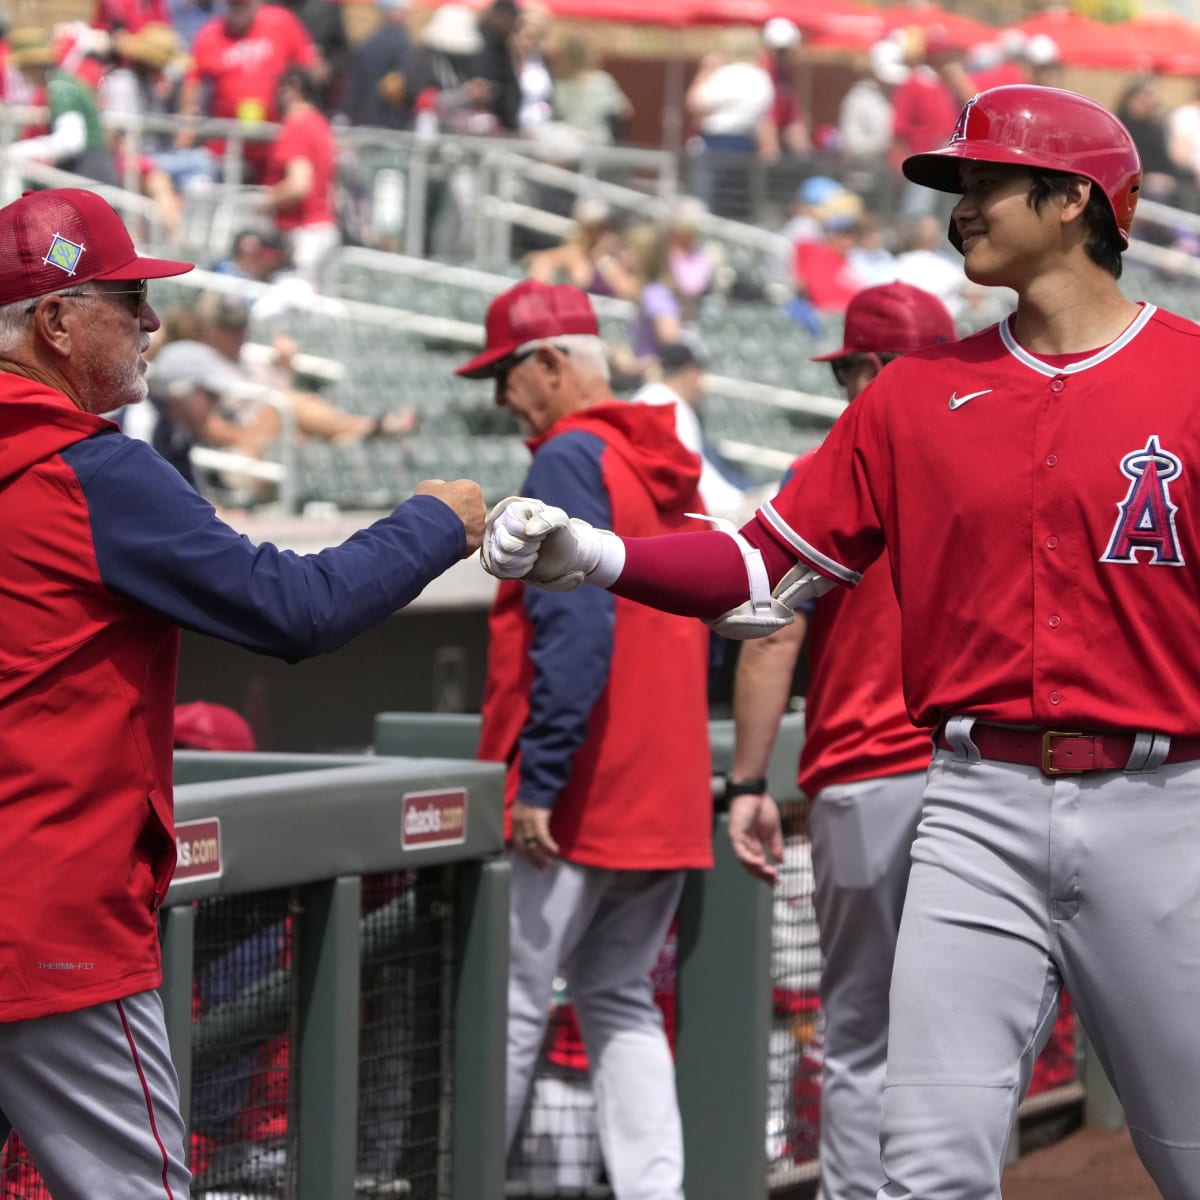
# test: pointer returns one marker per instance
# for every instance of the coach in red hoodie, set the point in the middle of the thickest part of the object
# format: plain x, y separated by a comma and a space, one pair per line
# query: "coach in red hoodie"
106, 553
598, 707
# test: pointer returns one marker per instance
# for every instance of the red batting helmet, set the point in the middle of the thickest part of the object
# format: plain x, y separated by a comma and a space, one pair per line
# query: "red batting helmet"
1039, 127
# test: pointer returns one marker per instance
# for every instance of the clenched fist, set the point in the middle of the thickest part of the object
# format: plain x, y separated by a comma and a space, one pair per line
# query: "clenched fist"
526, 539
466, 498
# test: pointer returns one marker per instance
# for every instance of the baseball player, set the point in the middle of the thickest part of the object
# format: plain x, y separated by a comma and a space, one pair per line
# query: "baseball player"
863, 765
1035, 486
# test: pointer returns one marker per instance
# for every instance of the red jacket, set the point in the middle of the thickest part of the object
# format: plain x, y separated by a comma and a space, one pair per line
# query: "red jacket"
597, 704
106, 553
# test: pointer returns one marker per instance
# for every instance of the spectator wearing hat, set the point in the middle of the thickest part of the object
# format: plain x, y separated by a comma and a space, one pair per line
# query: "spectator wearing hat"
389, 72
682, 388
240, 405
238, 59
784, 129
76, 140
603, 820
107, 554
299, 177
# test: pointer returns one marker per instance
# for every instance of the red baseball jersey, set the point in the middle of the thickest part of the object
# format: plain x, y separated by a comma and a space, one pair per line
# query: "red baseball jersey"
856, 723
1040, 518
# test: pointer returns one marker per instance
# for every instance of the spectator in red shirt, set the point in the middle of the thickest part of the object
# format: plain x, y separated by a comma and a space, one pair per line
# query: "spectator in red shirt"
241, 57
299, 176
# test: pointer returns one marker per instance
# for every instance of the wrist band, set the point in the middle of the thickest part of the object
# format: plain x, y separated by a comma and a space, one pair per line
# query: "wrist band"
744, 787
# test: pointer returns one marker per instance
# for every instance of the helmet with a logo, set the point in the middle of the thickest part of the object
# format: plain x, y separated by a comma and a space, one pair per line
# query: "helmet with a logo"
1044, 127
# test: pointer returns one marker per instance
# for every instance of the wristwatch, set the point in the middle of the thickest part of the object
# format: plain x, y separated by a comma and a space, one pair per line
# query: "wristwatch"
744, 787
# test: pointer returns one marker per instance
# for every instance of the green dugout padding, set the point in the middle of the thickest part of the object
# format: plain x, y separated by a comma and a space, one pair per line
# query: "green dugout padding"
456, 735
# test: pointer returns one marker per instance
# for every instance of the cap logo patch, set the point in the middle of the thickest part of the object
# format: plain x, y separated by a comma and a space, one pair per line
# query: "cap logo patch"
63, 254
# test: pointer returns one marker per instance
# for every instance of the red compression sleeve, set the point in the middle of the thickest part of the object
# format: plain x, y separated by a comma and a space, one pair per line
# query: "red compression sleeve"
697, 574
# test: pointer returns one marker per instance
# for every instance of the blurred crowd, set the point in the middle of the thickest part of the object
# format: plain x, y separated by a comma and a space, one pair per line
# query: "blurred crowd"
511, 70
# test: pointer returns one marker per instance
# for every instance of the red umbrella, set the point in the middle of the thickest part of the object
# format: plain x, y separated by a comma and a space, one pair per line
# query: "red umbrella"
1083, 42
843, 24
964, 32
1168, 42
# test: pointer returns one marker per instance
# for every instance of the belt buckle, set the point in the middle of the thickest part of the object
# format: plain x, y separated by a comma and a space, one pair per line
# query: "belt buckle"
1048, 767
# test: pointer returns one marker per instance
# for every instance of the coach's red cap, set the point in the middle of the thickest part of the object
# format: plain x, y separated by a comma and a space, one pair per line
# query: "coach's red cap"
63, 236
204, 726
527, 313
893, 318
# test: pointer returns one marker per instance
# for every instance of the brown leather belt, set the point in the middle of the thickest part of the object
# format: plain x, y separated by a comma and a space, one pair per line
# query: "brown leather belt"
1065, 752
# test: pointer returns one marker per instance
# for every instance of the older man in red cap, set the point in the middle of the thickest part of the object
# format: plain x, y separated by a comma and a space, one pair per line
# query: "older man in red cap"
863, 768
107, 552
598, 707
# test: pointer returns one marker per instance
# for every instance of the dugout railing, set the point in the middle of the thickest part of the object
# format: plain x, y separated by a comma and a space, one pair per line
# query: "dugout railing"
335, 960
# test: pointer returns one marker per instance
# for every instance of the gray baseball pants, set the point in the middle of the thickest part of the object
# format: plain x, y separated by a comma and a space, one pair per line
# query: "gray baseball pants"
602, 930
1020, 884
862, 834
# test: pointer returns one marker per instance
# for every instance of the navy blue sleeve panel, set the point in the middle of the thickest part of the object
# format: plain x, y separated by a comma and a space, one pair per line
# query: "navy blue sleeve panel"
160, 543
572, 631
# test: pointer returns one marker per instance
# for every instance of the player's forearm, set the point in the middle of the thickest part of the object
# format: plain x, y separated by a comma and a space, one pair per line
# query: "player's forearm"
695, 574
761, 691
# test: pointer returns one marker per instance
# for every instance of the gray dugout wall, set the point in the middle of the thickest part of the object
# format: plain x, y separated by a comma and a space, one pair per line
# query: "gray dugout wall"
318, 832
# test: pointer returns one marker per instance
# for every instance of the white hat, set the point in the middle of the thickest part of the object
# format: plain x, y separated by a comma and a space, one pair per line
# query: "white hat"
887, 62
1042, 50
453, 29
780, 34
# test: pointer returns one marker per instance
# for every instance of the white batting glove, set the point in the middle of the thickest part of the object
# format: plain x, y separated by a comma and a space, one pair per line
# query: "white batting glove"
526, 539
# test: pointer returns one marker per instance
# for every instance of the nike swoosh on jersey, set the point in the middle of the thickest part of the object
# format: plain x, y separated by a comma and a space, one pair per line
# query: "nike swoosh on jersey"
957, 401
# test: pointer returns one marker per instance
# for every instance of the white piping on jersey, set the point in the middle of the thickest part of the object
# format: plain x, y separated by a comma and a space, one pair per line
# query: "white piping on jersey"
813, 555
1044, 368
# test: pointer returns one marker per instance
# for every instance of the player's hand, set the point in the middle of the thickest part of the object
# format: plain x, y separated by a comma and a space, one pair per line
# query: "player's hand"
526, 539
755, 831
531, 834
466, 498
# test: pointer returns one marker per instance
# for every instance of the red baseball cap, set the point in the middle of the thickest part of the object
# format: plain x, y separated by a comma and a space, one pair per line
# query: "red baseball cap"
527, 313
204, 726
63, 236
893, 318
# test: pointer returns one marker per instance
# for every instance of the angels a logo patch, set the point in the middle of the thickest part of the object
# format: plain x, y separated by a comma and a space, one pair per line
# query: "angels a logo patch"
1146, 517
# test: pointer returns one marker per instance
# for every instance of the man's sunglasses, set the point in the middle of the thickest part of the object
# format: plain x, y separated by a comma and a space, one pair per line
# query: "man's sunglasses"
136, 307
843, 368
501, 369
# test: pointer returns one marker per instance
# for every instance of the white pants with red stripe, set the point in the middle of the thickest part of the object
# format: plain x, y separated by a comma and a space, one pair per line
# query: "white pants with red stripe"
95, 1098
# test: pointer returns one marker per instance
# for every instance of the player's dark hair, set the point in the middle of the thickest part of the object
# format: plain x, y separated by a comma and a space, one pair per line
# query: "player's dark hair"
1104, 244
